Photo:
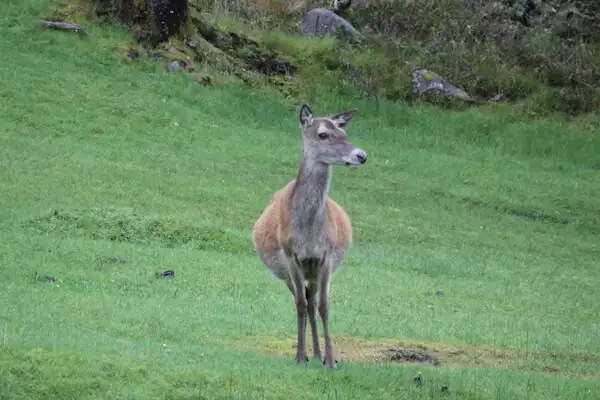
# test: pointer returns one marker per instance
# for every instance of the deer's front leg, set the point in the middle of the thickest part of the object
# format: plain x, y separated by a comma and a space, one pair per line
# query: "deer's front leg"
301, 310
311, 293
324, 283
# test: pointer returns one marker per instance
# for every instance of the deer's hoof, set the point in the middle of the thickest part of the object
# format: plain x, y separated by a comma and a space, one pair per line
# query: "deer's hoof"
330, 364
301, 359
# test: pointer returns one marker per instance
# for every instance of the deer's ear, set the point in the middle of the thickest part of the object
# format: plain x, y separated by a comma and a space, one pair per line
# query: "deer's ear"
343, 118
306, 116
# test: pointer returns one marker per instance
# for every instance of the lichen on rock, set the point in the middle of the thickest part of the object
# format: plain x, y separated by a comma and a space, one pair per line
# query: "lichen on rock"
425, 81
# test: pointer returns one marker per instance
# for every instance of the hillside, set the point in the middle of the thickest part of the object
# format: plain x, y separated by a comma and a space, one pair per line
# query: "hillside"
476, 231
539, 57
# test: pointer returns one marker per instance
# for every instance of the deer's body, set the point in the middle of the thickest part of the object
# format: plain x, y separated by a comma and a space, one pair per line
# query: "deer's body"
303, 235
275, 228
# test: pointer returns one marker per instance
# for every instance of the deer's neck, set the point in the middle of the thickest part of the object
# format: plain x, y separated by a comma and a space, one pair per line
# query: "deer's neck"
309, 197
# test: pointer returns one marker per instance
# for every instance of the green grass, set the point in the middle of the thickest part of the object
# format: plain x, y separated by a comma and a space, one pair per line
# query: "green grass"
100, 159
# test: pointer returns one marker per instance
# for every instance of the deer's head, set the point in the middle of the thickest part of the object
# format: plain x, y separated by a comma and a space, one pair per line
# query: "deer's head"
324, 139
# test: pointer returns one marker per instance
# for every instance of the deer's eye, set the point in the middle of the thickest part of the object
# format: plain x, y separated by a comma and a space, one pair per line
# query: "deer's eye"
323, 136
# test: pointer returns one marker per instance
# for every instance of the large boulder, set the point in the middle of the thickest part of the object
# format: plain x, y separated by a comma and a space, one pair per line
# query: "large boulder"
321, 21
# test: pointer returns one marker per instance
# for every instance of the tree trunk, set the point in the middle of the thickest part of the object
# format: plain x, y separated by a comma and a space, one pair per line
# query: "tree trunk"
152, 21
171, 17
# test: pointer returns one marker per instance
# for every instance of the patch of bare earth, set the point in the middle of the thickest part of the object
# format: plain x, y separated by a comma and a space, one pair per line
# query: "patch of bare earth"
433, 354
386, 351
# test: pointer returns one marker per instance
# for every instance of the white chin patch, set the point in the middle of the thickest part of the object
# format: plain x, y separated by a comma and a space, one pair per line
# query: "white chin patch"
350, 163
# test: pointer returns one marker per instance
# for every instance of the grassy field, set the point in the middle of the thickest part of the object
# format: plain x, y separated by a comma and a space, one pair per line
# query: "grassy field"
111, 170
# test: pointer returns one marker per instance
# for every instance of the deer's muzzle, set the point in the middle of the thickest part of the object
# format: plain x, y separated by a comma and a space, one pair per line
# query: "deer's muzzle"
356, 157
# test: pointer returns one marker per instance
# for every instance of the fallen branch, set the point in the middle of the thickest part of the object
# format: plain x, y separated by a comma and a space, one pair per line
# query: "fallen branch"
65, 26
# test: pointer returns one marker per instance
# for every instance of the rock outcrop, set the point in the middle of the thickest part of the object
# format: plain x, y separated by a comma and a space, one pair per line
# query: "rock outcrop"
321, 22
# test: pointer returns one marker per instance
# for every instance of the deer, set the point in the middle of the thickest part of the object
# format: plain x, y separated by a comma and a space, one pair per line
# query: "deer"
303, 235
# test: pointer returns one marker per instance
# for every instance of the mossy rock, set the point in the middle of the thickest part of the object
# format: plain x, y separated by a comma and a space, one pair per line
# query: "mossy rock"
252, 53
286, 85
430, 76
72, 11
248, 51
176, 50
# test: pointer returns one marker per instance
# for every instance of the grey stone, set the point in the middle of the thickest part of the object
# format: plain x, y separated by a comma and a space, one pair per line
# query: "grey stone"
173, 66
425, 81
321, 21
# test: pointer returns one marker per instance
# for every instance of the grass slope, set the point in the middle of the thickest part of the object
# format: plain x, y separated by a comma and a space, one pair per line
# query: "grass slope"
101, 159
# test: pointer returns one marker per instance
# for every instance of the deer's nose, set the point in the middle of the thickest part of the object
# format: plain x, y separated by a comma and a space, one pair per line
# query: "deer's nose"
361, 156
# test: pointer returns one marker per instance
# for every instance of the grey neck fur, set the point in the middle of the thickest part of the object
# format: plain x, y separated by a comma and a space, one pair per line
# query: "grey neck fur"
310, 192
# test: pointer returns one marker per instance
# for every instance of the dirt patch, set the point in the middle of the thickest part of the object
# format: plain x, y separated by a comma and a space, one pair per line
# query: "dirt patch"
405, 355
399, 353
364, 351
372, 352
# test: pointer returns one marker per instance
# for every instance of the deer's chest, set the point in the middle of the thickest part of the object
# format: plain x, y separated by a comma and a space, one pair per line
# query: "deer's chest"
309, 244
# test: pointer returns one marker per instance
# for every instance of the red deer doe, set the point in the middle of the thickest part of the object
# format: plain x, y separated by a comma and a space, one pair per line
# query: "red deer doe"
303, 235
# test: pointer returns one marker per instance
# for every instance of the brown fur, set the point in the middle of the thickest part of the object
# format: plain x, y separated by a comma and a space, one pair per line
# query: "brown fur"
273, 228
303, 235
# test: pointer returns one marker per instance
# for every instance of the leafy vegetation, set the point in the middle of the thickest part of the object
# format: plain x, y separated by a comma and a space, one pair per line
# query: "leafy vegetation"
540, 55
111, 170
